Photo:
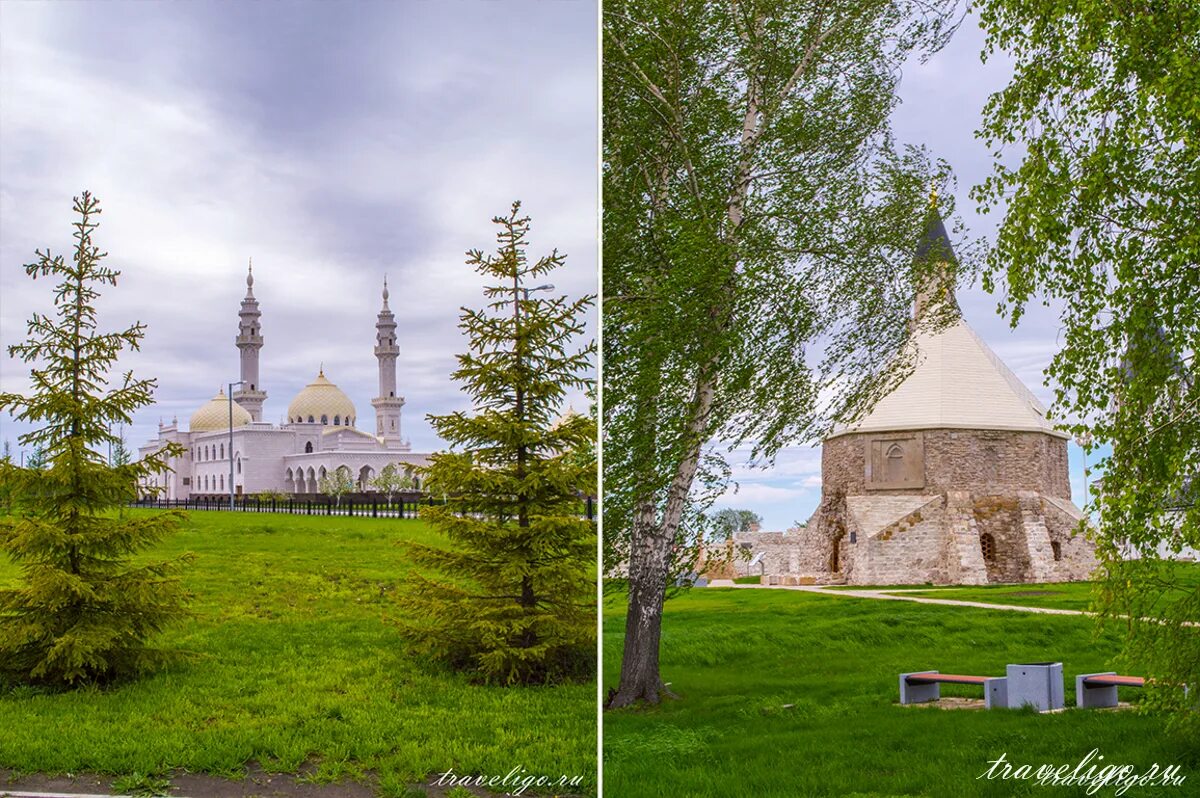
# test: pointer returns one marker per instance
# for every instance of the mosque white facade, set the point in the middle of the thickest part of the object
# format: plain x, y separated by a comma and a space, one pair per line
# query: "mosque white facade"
319, 435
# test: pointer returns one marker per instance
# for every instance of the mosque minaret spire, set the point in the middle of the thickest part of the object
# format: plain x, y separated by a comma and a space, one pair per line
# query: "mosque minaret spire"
249, 341
387, 405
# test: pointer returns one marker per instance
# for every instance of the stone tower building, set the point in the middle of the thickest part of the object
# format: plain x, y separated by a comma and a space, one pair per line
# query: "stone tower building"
955, 477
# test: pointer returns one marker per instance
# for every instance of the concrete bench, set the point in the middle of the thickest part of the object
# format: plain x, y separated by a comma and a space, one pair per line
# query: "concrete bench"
1100, 689
917, 688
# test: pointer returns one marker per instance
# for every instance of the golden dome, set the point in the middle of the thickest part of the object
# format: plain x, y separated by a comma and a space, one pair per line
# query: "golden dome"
214, 415
322, 402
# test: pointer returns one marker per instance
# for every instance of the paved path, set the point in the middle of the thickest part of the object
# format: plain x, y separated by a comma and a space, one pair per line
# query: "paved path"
898, 595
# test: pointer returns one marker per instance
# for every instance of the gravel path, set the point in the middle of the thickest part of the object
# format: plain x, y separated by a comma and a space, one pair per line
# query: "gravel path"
898, 595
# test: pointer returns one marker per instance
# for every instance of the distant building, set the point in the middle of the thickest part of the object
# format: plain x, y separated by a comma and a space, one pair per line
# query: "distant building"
318, 437
955, 477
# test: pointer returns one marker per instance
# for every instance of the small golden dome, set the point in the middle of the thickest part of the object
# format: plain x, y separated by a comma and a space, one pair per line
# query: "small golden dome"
214, 415
322, 402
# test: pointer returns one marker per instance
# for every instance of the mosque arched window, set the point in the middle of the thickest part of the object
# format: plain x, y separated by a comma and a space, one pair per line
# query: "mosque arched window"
308, 448
325, 420
310, 419
222, 451
337, 421
239, 465
222, 482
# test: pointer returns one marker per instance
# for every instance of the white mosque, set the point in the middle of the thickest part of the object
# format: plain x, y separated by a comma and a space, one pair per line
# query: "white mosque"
318, 437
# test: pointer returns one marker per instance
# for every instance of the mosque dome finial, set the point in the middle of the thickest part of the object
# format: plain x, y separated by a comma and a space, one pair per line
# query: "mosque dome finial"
933, 198
250, 277
385, 291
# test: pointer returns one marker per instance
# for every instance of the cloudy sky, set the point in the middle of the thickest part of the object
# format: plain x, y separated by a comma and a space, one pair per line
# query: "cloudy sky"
942, 103
332, 142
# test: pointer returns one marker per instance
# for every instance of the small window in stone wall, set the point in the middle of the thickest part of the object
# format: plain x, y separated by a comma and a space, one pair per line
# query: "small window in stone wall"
895, 463
308, 448
1056, 547
987, 544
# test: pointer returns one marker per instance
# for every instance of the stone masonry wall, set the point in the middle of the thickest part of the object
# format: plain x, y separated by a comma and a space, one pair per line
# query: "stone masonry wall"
988, 462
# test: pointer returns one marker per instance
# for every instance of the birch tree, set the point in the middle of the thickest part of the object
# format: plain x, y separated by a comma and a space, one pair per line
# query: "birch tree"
1102, 216
759, 224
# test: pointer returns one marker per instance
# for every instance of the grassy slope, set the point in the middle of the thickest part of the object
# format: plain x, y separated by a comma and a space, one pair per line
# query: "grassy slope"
738, 656
295, 660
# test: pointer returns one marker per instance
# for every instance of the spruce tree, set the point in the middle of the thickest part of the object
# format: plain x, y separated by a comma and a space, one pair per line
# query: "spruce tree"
84, 612
512, 597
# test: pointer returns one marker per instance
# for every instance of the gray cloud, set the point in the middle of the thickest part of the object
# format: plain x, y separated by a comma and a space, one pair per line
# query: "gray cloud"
333, 142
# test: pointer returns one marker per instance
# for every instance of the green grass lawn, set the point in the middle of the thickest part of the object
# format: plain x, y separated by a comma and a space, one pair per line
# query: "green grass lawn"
739, 657
296, 664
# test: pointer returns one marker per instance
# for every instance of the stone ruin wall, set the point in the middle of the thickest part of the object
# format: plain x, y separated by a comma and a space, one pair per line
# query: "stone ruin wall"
1011, 485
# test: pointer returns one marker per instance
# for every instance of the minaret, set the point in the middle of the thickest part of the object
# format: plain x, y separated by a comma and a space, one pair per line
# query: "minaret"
249, 341
387, 405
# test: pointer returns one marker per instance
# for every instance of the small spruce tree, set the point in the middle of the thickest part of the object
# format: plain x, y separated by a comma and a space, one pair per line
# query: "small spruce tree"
120, 454
36, 460
84, 612
512, 599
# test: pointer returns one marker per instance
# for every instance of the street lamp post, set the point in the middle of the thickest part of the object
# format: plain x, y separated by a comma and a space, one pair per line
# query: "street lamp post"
230, 398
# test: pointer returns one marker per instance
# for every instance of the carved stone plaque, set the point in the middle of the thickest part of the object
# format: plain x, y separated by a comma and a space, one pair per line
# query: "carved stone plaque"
895, 460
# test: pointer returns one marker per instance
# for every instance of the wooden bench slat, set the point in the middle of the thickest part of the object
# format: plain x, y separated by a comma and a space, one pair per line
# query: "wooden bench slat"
951, 678
1121, 681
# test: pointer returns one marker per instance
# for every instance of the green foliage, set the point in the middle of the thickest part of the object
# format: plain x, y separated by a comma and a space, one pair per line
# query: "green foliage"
36, 461
391, 480
728, 522
514, 600
1102, 213
142, 785
759, 228
337, 484
86, 610
120, 455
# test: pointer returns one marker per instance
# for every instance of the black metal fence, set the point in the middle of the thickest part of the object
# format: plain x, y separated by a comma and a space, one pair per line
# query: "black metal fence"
400, 508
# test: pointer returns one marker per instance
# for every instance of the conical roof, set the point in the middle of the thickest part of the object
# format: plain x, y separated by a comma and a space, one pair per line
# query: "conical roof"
958, 382
935, 242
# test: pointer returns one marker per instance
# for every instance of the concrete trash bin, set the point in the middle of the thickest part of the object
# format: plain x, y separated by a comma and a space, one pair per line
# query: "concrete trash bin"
1038, 684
